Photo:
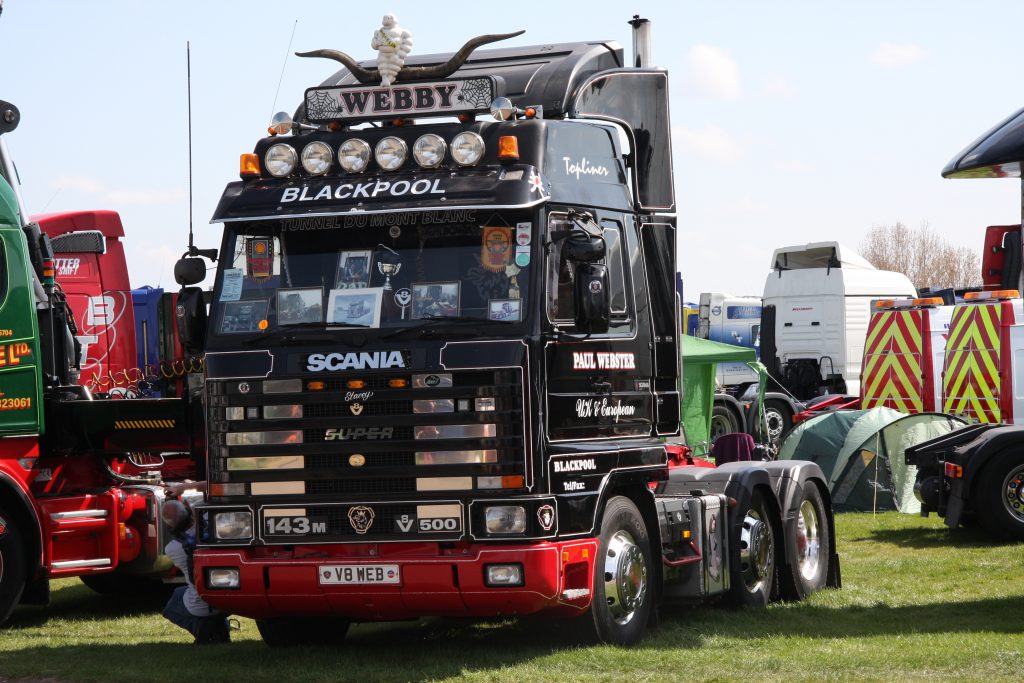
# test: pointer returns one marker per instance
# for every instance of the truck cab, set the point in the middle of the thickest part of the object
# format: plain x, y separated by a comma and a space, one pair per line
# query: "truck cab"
443, 355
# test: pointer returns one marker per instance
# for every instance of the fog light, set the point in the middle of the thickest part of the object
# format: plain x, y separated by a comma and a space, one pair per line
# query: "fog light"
280, 160
467, 149
390, 153
232, 526
316, 158
505, 519
429, 150
503, 574
354, 155
219, 578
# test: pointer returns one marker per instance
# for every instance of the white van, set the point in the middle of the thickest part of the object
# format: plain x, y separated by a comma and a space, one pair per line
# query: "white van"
816, 308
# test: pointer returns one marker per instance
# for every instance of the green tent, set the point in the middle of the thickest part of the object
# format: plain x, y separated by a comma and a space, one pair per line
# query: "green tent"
700, 361
861, 453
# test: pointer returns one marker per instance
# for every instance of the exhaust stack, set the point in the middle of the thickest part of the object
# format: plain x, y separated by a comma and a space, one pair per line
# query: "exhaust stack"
641, 42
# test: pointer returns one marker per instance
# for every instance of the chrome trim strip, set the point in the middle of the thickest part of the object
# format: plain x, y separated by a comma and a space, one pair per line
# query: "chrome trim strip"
79, 564
77, 514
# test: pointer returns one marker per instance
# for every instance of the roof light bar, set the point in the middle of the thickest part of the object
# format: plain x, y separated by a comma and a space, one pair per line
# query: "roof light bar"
993, 294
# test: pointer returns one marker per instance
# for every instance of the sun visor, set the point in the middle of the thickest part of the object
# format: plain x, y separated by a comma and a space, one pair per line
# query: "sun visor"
996, 154
513, 187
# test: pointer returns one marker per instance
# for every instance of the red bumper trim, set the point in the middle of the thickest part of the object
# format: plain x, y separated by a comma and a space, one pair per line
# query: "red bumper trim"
431, 584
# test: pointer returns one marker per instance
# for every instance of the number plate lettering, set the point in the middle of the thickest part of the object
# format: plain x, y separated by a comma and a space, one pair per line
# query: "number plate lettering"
349, 574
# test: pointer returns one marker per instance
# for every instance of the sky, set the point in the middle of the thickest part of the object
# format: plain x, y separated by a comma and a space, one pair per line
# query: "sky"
793, 122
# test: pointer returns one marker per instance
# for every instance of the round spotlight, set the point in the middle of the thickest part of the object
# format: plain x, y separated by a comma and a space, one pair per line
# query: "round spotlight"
354, 155
467, 149
316, 158
280, 160
390, 153
429, 150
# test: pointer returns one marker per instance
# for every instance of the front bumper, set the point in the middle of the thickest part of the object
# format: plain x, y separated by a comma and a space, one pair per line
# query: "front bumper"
434, 581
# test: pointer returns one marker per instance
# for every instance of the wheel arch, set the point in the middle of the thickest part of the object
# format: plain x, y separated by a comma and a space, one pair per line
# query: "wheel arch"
636, 490
18, 503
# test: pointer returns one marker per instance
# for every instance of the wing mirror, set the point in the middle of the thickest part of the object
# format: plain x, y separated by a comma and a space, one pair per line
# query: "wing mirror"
593, 308
190, 313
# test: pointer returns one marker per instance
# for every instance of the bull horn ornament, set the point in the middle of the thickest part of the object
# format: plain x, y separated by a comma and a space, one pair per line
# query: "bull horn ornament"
393, 44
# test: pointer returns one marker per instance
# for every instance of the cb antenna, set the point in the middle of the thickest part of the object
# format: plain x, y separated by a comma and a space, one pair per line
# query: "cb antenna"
192, 250
188, 80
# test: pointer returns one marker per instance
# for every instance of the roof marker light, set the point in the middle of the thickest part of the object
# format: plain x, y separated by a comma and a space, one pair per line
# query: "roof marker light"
248, 164
993, 294
508, 147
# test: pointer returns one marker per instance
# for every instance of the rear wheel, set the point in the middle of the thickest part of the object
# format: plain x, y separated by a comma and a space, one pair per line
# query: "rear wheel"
723, 421
752, 568
296, 631
12, 565
999, 496
810, 543
779, 420
623, 575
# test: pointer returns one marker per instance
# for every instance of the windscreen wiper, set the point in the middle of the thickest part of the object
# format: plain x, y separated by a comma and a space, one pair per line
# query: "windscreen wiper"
299, 332
433, 324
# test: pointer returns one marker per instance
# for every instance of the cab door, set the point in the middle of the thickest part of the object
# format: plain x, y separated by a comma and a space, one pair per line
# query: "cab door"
20, 385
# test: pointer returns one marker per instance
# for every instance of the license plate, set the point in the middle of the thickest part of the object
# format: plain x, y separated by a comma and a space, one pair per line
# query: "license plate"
356, 574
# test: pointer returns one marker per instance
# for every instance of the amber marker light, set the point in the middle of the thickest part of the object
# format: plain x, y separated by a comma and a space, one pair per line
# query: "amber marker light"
530, 113
248, 164
356, 384
398, 383
513, 481
885, 303
315, 385
508, 147
466, 118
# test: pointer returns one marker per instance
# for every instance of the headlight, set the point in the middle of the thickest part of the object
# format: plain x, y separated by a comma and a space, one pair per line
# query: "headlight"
222, 577
280, 160
353, 155
505, 519
390, 153
231, 526
467, 149
316, 158
429, 150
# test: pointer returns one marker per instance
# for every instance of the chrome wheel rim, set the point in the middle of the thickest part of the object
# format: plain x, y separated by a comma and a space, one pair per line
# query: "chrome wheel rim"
1013, 494
625, 577
808, 540
757, 552
773, 416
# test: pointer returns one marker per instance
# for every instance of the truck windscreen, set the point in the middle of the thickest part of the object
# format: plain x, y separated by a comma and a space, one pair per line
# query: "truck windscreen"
308, 274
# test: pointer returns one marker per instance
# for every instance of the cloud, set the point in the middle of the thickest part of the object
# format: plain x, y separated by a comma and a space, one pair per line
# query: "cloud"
778, 86
146, 197
710, 142
796, 166
78, 184
88, 185
713, 72
897, 54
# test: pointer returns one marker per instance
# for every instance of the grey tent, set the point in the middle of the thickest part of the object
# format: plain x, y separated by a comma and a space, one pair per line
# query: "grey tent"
861, 454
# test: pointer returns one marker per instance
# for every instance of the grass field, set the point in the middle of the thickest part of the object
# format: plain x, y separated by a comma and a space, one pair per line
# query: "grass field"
918, 602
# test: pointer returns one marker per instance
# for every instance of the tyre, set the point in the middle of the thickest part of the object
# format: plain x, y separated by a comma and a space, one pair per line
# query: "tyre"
999, 496
809, 544
753, 555
779, 420
723, 421
12, 565
623, 576
296, 631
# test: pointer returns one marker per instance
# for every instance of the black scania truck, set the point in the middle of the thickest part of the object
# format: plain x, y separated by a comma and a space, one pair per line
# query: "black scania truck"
442, 363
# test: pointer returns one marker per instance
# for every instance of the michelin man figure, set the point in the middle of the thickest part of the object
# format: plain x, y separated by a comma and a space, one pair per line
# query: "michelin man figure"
393, 44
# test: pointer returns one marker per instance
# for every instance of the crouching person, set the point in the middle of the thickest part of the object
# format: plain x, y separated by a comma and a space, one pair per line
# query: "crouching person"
186, 608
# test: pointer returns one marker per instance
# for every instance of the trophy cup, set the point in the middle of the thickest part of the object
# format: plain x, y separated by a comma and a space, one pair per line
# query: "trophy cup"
387, 270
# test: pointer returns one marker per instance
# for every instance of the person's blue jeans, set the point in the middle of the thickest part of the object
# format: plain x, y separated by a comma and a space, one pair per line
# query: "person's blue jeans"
176, 613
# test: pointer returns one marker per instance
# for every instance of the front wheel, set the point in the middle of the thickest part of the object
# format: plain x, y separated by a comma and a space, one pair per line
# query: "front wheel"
752, 568
12, 565
623, 575
296, 631
999, 496
809, 544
